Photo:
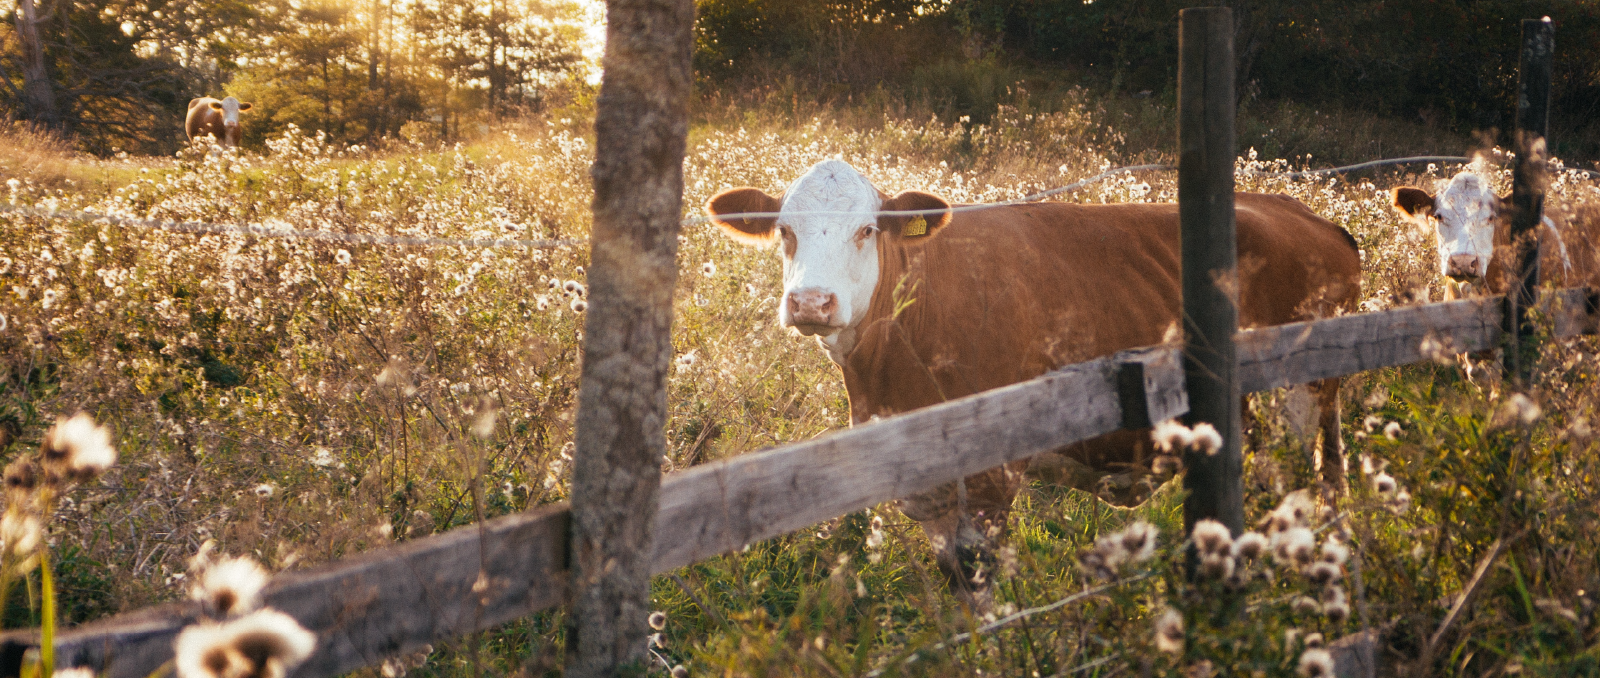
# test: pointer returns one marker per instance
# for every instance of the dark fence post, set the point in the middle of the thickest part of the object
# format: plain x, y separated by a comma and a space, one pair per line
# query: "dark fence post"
641, 131
1529, 177
1210, 253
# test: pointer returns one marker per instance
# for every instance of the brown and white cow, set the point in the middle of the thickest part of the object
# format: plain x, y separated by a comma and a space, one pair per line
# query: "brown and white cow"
219, 119
1473, 231
919, 311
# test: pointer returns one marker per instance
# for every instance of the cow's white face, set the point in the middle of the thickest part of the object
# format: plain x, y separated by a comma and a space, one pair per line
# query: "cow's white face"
1462, 216
830, 233
230, 108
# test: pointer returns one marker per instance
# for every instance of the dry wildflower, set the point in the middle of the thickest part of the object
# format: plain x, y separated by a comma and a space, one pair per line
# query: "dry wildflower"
680, 671
1207, 439
708, 269
342, 257
1314, 640
1384, 484
1401, 502
229, 587
1518, 409
658, 620
658, 640
1138, 541
1169, 631
1171, 436
78, 447
574, 288
19, 532
1316, 663
1295, 545
1216, 565
21, 477
1334, 603
1249, 545
1323, 573
579, 306
263, 644
1334, 552
1372, 422
1166, 465
265, 490
1211, 537
1305, 604
74, 672
1391, 430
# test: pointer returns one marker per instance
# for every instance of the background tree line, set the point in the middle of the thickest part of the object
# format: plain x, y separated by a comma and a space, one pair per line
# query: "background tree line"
1446, 63
118, 74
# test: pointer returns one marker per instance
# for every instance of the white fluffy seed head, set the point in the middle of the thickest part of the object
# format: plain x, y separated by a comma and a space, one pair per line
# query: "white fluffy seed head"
1249, 545
658, 620
1169, 631
1207, 439
79, 447
1384, 484
1391, 430
1316, 663
1171, 437
1211, 537
229, 587
1294, 546
263, 644
1139, 541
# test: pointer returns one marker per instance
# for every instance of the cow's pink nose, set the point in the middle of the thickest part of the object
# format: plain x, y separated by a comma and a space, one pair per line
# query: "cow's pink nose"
1462, 266
812, 307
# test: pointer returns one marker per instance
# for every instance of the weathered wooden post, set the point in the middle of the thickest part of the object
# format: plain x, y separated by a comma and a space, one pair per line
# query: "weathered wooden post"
641, 127
1210, 270
1528, 177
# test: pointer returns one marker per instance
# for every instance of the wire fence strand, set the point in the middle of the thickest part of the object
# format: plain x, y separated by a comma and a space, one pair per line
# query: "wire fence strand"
553, 243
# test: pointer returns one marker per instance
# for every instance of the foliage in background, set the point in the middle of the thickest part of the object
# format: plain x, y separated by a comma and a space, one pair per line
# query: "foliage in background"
1449, 65
123, 72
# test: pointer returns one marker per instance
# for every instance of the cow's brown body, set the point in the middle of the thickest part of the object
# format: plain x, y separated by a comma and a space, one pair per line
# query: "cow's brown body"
1569, 253
1003, 295
207, 117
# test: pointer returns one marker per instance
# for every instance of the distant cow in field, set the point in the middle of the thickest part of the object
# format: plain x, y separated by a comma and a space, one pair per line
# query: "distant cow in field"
220, 119
1473, 230
919, 310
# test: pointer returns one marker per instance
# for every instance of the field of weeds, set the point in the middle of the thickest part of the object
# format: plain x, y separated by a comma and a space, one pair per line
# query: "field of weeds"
298, 401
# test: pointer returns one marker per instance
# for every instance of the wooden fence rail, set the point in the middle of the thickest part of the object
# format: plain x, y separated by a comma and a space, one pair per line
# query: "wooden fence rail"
396, 600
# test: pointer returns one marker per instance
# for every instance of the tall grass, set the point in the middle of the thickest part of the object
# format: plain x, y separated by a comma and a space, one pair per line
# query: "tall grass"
302, 400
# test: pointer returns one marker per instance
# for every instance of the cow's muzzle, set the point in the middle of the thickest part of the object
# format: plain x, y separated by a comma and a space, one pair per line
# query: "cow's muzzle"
812, 311
1462, 267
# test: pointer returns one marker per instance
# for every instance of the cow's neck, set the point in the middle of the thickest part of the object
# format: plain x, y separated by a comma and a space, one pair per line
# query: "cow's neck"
839, 345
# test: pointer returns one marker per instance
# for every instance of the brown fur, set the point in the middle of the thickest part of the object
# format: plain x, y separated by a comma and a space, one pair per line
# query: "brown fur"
203, 119
1003, 295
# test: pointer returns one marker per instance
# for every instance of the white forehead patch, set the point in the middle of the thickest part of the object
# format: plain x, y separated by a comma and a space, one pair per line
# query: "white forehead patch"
831, 186
1465, 202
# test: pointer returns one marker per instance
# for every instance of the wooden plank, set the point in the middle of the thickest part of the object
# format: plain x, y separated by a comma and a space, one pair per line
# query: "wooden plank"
365, 608
1284, 355
721, 507
1210, 269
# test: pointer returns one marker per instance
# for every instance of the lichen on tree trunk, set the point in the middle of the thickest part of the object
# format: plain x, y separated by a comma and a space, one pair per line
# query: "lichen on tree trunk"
641, 127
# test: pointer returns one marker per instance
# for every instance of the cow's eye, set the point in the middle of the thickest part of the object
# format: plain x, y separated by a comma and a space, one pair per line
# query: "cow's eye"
866, 232
788, 240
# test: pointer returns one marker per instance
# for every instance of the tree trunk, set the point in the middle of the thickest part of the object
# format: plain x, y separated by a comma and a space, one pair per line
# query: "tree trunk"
39, 98
641, 127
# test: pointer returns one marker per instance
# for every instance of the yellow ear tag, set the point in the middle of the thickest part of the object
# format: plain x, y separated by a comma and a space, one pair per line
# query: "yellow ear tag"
917, 226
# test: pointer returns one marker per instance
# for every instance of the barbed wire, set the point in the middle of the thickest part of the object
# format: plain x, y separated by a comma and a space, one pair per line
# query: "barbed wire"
271, 232
552, 243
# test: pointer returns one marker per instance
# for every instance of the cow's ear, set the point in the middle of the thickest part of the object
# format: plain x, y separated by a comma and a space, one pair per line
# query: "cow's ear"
245, 106
752, 230
914, 227
216, 105
1413, 203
